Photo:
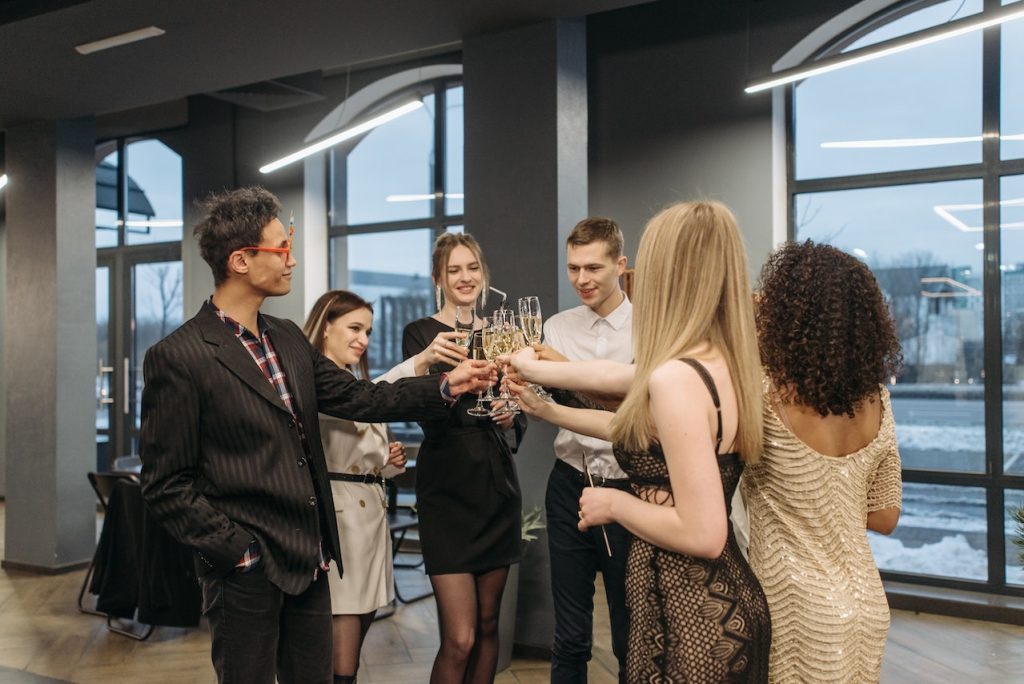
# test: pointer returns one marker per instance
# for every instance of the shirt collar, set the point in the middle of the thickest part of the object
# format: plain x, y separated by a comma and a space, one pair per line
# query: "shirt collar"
616, 319
237, 328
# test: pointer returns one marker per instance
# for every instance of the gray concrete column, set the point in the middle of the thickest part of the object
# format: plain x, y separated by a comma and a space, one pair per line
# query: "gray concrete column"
50, 347
526, 187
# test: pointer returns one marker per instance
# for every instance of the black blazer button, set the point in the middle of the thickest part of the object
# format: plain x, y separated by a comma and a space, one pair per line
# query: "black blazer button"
301, 462
312, 501
291, 423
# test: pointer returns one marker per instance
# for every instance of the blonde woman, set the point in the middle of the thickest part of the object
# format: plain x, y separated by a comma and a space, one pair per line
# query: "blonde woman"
690, 420
359, 457
467, 490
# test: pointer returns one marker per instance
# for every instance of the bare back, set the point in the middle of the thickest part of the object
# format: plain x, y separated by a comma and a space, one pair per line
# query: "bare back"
833, 435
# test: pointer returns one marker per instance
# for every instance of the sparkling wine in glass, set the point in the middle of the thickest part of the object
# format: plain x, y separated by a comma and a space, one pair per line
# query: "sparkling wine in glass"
532, 323
465, 320
479, 409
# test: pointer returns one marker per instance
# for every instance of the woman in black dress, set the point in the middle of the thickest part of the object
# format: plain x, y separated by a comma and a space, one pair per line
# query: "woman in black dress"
467, 492
690, 420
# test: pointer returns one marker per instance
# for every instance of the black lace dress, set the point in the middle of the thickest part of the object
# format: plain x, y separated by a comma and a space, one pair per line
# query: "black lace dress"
692, 619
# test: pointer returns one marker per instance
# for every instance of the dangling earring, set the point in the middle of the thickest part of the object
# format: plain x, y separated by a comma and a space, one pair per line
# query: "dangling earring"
438, 297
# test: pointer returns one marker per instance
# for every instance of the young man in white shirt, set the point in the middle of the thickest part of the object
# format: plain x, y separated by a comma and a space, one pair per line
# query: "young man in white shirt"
598, 329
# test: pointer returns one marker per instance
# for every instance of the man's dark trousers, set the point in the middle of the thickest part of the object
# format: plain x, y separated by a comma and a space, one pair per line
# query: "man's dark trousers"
575, 559
283, 634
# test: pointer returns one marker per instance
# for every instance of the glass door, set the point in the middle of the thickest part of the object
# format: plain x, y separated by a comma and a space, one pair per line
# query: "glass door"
138, 303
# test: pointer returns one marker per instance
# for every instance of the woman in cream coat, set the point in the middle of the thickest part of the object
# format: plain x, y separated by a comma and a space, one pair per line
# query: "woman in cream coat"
359, 457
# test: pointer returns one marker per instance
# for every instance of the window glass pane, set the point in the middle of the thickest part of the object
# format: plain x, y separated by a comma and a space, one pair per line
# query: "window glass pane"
390, 172
156, 312
453, 184
1014, 530
941, 532
1012, 220
392, 271
1012, 90
106, 201
915, 109
154, 193
923, 244
104, 370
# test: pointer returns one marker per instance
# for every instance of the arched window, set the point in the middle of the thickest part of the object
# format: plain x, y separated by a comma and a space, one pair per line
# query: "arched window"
895, 161
392, 192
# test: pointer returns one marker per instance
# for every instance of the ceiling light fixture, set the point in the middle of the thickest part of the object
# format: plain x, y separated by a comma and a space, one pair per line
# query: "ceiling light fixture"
910, 142
945, 212
889, 47
151, 223
351, 132
424, 197
119, 40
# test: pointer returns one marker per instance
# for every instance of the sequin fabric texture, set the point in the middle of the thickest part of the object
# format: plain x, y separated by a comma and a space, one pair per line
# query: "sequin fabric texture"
691, 619
809, 548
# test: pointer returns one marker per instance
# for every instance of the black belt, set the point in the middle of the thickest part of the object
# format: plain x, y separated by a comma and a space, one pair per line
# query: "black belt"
365, 479
620, 482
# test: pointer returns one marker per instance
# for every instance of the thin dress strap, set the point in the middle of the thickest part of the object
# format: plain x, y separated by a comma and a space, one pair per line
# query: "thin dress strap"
710, 383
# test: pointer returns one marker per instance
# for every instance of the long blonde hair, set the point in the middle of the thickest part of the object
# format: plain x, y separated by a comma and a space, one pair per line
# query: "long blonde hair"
692, 288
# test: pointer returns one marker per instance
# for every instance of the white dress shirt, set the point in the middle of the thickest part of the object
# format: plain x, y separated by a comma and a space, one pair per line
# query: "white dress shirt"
580, 334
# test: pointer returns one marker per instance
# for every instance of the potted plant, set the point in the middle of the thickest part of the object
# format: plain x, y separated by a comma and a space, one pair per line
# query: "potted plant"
507, 618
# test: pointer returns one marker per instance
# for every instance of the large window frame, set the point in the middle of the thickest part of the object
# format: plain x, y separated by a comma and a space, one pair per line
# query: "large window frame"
991, 170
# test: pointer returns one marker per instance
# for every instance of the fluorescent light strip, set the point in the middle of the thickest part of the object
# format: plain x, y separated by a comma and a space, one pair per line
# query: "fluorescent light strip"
910, 142
889, 47
3, 180
120, 39
352, 132
155, 223
422, 198
945, 212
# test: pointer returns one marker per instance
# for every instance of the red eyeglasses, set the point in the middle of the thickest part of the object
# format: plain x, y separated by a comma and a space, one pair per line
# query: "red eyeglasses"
287, 251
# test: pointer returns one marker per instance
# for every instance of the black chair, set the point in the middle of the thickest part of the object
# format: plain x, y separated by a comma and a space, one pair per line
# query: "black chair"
402, 519
103, 485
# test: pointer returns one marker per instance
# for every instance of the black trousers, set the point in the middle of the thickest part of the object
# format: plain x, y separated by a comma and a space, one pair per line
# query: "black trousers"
575, 559
258, 630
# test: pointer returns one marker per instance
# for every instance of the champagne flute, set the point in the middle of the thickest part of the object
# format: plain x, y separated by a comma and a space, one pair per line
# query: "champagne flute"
506, 338
532, 325
479, 352
465, 320
488, 342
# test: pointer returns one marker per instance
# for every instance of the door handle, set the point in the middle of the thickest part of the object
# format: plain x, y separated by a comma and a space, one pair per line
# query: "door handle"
104, 396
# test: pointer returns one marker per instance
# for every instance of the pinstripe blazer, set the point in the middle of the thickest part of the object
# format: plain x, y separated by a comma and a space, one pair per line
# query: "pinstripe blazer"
222, 460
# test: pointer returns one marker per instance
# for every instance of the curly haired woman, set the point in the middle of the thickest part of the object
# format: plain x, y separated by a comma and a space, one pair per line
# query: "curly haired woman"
830, 467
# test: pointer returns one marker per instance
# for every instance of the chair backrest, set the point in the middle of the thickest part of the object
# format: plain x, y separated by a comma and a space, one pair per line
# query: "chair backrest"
103, 485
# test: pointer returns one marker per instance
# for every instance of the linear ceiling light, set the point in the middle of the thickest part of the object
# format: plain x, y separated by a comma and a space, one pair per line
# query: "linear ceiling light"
151, 223
3, 180
945, 212
424, 197
120, 39
910, 142
352, 132
889, 47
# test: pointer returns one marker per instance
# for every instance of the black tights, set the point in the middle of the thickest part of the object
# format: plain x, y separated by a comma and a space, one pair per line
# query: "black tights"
349, 632
467, 614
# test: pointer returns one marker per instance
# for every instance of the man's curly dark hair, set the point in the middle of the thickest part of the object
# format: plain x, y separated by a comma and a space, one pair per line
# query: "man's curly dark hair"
826, 335
233, 219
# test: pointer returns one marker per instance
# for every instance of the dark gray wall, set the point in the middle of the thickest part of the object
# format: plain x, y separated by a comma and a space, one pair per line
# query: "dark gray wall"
669, 120
526, 186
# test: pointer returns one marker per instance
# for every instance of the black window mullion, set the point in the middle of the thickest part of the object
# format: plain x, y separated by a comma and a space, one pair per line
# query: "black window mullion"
992, 286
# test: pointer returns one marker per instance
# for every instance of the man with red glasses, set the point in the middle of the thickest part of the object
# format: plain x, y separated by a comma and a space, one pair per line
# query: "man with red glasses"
233, 464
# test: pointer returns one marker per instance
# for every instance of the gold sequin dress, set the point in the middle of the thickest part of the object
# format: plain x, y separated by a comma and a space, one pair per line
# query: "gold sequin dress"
809, 549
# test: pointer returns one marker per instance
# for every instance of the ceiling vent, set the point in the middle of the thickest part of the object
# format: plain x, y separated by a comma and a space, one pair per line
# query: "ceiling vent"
278, 93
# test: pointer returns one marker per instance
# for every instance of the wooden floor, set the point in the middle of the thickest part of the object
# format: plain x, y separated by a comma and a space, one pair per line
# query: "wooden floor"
44, 638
